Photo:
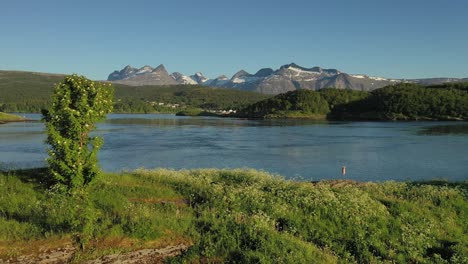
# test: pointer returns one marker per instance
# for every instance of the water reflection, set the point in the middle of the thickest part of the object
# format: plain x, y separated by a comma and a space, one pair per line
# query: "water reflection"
211, 121
456, 129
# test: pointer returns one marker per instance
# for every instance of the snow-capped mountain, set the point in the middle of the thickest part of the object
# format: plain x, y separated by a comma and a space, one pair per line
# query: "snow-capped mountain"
183, 79
146, 75
220, 81
291, 77
199, 78
288, 77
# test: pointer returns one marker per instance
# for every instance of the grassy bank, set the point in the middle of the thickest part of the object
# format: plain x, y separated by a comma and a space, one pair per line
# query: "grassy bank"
4, 117
195, 112
242, 216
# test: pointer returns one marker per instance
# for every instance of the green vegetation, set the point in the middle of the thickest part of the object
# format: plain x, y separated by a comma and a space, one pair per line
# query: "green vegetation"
341, 97
242, 216
189, 96
409, 102
4, 117
77, 104
195, 112
128, 212
397, 102
454, 85
31, 92
295, 104
26, 91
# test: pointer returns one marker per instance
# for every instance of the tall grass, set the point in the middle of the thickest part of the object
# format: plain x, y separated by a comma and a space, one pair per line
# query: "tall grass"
123, 207
244, 216
250, 216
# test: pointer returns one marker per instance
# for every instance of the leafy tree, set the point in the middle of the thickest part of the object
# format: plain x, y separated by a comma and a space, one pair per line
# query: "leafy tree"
302, 101
77, 104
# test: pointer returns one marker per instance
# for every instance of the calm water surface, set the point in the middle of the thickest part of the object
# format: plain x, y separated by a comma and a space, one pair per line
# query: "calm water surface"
295, 149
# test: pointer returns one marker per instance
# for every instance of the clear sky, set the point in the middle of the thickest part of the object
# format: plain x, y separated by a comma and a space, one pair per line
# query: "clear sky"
398, 39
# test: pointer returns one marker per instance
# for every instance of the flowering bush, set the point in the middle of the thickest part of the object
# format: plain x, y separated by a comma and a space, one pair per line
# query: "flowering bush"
78, 103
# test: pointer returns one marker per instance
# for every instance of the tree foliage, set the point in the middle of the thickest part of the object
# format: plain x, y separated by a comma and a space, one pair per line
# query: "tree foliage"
410, 102
77, 104
302, 101
405, 101
340, 97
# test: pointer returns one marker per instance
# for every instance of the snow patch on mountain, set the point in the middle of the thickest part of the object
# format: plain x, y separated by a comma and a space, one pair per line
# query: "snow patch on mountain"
145, 69
378, 78
300, 71
188, 80
359, 76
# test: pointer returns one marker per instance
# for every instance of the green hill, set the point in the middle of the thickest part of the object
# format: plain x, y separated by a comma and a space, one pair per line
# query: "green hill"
300, 104
26, 91
409, 102
30, 92
395, 102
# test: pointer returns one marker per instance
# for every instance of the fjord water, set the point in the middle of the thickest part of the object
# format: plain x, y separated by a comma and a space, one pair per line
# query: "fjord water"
297, 149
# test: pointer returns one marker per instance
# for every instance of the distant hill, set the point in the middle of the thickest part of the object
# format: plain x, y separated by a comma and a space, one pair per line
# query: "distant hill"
30, 92
289, 77
403, 101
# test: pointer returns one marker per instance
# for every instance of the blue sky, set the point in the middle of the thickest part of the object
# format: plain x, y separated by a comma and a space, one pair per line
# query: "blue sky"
398, 39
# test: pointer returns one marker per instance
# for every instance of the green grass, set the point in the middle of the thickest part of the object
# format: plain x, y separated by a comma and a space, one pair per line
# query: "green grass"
4, 117
244, 216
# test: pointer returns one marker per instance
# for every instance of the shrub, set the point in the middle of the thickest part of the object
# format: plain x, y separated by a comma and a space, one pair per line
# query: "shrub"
78, 104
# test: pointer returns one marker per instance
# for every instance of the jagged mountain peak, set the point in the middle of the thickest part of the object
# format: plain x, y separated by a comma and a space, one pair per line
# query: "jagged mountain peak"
146, 67
177, 74
264, 72
160, 68
266, 80
240, 74
300, 69
182, 79
294, 66
145, 75
199, 78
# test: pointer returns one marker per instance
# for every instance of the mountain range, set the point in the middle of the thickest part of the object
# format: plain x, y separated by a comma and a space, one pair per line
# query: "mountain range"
288, 77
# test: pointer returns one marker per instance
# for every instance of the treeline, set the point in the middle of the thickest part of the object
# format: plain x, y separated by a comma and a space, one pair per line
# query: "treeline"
31, 92
396, 102
454, 85
284, 105
303, 103
409, 102
164, 98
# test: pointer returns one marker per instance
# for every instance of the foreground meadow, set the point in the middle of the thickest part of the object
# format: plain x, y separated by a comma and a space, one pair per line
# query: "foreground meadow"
242, 216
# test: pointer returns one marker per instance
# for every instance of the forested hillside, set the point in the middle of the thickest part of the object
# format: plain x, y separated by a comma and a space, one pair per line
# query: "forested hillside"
409, 102
396, 102
30, 92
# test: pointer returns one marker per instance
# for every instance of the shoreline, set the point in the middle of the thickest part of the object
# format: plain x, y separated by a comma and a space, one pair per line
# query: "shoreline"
269, 117
338, 181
